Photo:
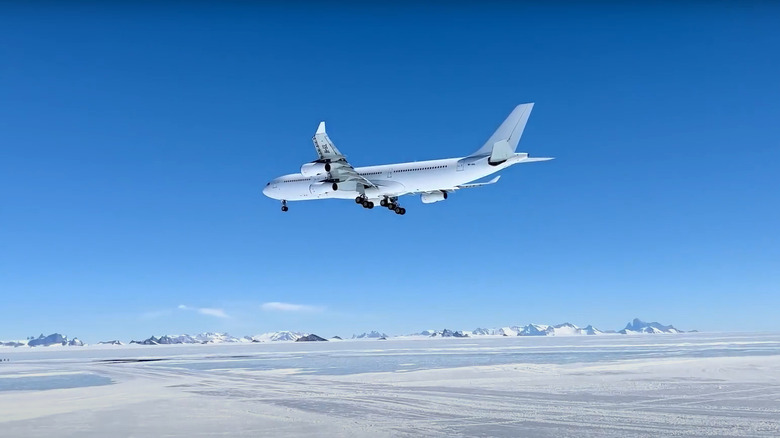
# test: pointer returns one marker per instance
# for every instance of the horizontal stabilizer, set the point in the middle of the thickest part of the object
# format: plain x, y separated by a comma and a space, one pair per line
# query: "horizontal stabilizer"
535, 159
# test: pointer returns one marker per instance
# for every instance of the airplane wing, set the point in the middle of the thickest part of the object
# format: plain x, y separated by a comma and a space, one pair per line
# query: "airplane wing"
346, 173
325, 148
473, 184
470, 185
341, 171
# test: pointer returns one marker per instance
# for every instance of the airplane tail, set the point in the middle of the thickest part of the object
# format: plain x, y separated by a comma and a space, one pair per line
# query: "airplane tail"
503, 143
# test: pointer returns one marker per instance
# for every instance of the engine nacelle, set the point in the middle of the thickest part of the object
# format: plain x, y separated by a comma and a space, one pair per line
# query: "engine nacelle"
314, 169
431, 197
321, 188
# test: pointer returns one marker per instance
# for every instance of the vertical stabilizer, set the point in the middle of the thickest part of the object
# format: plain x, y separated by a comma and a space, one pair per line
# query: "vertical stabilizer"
503, 142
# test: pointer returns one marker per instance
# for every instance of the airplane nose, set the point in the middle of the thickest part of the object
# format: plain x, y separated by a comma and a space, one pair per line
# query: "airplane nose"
267, 190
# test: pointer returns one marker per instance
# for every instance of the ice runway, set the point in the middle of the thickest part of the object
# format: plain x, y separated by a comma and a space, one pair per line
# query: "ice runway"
611, 385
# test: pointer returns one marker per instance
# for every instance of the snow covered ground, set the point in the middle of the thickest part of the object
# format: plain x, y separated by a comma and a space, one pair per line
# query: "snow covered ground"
615, 386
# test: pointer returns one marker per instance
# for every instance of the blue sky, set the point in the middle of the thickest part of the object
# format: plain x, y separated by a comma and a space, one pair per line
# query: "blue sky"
135, 141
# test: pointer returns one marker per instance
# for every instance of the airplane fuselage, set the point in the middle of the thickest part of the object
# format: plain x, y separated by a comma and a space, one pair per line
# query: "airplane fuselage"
391, 180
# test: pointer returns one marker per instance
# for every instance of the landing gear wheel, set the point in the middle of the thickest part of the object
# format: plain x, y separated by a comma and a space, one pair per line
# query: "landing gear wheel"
403, 211
284, 208
359, 200
397, 210
370, 205
365, 203
383, 203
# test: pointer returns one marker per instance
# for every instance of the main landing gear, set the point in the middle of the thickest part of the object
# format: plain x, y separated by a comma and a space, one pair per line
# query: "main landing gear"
284, 205
389, 203
392, 204
364, 202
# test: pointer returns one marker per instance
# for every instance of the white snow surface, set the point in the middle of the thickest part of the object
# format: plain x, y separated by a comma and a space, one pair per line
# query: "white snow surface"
725, 385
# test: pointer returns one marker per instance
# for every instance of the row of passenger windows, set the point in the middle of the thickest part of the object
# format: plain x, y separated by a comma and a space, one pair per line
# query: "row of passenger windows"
421, 168
376, 173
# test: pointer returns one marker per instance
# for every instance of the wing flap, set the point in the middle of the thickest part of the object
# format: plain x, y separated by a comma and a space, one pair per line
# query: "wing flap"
480, 184
473, 184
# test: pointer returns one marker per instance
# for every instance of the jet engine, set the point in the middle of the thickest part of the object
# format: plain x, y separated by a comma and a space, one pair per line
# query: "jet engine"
314, 169
431, 197
321, 188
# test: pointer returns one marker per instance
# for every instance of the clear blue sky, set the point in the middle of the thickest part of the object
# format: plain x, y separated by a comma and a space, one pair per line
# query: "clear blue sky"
135, 141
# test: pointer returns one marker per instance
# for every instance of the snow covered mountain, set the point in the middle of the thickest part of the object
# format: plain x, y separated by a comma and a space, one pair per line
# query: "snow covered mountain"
13, 343
568, 329
590, 330
311, 338
221, 338
447, 333
277, 336
372, 335
639, 326
508, 331
202, 338
565, 329
424, 333
216, 338
113, 342
535, 330
44, 341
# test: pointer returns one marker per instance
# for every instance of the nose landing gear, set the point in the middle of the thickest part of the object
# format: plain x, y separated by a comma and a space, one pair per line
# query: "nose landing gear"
284, 205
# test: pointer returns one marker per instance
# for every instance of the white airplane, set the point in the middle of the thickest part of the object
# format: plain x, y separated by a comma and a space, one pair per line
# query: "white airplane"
331, 176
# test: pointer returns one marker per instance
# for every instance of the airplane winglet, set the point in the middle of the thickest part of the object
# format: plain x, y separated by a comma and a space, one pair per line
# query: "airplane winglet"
321, 128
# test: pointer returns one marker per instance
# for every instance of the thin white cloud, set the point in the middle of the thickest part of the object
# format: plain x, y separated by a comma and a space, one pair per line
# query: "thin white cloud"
219, 313
276, 306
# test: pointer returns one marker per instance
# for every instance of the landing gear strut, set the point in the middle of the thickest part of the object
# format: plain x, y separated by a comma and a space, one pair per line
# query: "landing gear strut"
284, 205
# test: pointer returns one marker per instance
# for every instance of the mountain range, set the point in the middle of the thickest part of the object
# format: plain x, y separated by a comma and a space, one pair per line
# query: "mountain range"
565, 329
636, 326
44, 341
639, 326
